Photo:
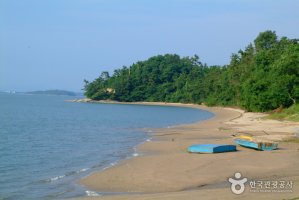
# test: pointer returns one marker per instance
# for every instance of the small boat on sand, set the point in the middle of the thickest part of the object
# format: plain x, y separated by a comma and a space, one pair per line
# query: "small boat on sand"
211, 148
254, 143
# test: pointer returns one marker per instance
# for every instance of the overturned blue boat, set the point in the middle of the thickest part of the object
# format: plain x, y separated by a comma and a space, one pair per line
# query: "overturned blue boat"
258, 145
211, 148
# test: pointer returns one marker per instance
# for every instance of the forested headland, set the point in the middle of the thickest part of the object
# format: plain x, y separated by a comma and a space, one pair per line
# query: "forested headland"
262, 77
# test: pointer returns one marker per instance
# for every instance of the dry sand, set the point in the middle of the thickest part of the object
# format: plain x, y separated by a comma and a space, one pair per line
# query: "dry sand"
166, 171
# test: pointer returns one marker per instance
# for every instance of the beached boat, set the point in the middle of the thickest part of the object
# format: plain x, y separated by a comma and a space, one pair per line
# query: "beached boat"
211, 148
253, 143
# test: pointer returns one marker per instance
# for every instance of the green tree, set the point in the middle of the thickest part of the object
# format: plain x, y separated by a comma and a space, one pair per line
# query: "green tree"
261, 77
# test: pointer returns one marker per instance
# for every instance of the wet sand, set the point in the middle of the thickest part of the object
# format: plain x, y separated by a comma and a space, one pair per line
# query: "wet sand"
166, 171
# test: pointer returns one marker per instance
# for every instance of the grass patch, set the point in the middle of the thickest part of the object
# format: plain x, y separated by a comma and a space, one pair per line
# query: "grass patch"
296, 198
293, 140
291, 114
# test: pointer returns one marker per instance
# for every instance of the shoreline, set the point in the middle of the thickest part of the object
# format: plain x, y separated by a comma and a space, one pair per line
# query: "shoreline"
160, 171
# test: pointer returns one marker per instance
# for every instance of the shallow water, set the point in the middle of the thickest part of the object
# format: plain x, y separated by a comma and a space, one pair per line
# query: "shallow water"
47, 144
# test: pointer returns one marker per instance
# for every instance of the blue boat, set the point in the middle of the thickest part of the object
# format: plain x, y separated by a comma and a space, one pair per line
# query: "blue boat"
258, 145
211, 148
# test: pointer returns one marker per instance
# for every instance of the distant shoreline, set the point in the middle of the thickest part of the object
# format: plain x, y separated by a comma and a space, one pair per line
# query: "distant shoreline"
53, 92
87, 100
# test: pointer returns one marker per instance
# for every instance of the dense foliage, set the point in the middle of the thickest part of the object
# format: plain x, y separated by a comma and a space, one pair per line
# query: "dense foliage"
262, 77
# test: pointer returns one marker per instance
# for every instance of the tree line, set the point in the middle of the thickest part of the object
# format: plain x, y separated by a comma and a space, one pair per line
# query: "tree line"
262, 77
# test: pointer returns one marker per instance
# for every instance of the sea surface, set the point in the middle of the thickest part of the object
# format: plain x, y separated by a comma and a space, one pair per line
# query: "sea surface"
47, 144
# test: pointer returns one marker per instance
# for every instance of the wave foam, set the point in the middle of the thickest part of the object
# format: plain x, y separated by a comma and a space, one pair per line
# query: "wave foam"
57, 178
92, 193
82, 170
135, 154
67, 174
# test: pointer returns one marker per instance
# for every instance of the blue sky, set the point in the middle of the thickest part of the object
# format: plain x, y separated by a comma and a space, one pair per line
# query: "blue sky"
55, 44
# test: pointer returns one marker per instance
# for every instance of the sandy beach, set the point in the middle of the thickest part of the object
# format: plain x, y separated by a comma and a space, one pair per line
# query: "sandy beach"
166, 171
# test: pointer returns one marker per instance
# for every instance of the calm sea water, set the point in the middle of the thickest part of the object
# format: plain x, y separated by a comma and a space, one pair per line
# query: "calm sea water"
47, 145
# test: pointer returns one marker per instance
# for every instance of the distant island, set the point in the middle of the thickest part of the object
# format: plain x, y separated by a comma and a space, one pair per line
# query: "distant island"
53, 92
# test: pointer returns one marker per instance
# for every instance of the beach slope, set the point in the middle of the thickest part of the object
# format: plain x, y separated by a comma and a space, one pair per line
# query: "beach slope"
166, 171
